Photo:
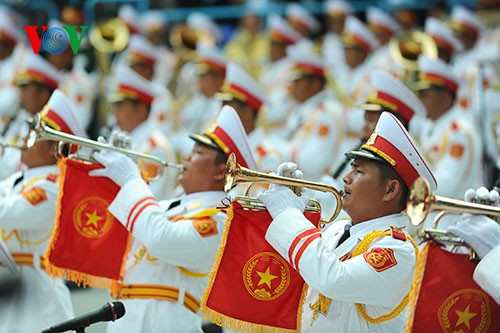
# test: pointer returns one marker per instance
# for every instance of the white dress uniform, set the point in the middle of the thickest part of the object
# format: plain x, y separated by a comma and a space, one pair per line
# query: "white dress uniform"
27, 211
81, 89
196, 115
348, 281
487, 273
14, 133
147, 139
315, 134
454, 152
179, 256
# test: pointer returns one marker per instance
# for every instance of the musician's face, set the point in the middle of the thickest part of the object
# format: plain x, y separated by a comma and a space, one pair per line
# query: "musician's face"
40, 154
202, 171
33, 97
363, 191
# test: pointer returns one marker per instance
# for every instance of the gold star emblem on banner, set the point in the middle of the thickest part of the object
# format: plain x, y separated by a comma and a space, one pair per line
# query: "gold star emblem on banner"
465, 316
93, 219
266, 277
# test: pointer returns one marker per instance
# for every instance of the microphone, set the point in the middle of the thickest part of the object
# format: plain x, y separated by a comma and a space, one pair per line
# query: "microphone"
109, 312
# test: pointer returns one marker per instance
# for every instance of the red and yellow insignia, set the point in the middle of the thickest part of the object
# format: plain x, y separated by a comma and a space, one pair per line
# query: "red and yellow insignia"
35, 195
323, 130
91, 217
397, 233
150, 170
152, 142
466, 310
380, 258
52, 178
457, 150
266, 276
345, 257
205, 226
463, 102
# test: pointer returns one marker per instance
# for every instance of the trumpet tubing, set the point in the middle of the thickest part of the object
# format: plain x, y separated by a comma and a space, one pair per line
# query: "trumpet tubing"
39, 131
238, 174
421, 202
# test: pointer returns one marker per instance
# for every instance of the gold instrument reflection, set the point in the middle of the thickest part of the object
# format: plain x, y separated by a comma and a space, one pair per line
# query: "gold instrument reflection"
235, 173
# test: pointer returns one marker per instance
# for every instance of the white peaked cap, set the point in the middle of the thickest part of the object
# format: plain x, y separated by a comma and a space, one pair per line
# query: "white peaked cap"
299, 14
131, 85
465, 19
211, 59
229, 136
338, 7
38, 69
152, 20
280, 30
305, 63
392, 94
241, 86
390, 142
200, 21
377, 18
59, 115
141, 50
435, 72
357, 32
443, 35
129, 15
8, 28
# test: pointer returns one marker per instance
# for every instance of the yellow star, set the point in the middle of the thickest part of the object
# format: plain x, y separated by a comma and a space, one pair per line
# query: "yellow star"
465, 316
93, 218
266, 277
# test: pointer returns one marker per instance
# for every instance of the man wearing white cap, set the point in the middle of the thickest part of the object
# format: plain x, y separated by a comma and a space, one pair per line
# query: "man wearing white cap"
36, 80
299, 18
207, 32
132, 103
448, 140
244, 94
165, 278
276, 71
388, 94
12, 53
448, 45
198, 111
359, 272
332, 50
384, 26
143, 57
78, 85
27, 212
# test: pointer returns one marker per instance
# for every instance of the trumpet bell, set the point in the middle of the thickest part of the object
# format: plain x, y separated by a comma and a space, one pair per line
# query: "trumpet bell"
184, 40
110, 36
406, 47
418, 202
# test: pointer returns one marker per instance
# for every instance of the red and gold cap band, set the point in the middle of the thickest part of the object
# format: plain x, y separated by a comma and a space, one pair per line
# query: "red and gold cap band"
224, 141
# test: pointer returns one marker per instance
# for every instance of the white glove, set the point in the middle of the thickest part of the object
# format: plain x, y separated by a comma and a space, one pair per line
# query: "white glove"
117, 166
279, 198
482, 196
479, 231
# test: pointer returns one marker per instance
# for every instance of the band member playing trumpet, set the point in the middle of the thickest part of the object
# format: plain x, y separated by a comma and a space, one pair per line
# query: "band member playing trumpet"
27, 211
166, 275
132, 102
359, 272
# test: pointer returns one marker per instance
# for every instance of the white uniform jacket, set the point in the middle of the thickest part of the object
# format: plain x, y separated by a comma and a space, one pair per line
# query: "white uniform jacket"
27, 212
149, 140
316, 130
16, 131
487, 273
181, 248
453, 149
379, 278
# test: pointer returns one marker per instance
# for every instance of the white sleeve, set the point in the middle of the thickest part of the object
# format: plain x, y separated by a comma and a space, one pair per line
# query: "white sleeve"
487, 273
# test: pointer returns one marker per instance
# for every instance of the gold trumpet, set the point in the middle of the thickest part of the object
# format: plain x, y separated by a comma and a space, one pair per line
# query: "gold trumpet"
421, 202
235, 173
39, 131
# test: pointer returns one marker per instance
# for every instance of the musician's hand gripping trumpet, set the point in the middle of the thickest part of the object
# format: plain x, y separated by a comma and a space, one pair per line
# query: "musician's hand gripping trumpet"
238, 174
